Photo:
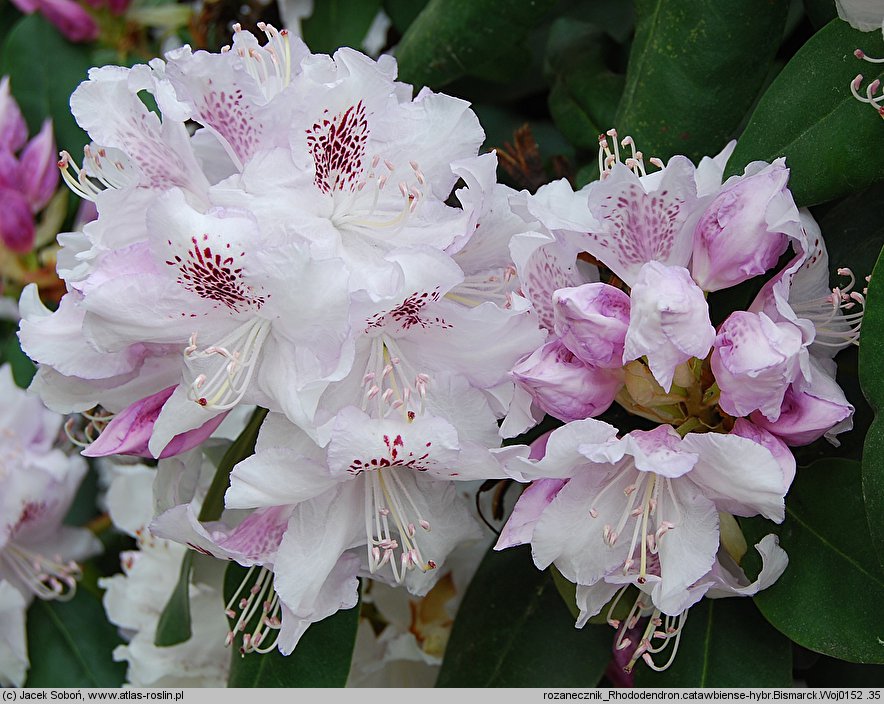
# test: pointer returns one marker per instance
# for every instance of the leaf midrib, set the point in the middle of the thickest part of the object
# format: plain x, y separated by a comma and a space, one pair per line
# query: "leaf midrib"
69, 641
526, 614
844, 556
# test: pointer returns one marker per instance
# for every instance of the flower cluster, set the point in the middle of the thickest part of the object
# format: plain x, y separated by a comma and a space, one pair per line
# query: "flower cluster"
37, 553
298, 252
299, 235
619, 276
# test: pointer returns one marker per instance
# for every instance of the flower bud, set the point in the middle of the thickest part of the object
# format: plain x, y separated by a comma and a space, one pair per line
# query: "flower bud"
565, 387
754, 360
809, 413
71, 19
669, 321
16, 221
38, 168
130, 431
740, 234
13, 130
591, 321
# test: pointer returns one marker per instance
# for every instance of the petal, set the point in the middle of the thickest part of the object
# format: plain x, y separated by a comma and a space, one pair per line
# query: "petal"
730, 580
13, 649
686, 552
277, 477
340, 591
519, 528
592, 599
568, 535
636, 226
318, 533
741, 476
669, 321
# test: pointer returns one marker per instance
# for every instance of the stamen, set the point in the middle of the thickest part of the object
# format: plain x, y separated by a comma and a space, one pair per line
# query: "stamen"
234, 359
48, 579
261, 596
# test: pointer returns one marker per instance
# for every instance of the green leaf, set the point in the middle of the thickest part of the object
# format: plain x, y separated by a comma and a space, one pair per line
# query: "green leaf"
584, 94
512, 630
71, 644
336, 23
43, 71
694, 70
23, 369
242, 447
403, 12
173, 626
451, 38
725, 643
829, 598
833, 144
871, 374
321, 659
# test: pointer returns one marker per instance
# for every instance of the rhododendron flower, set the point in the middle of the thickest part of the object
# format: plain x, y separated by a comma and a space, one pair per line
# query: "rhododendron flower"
642, 509
37, 486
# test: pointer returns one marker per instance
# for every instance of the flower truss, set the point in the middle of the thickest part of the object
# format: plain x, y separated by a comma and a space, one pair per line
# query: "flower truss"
298, 252
298, 237
654, 508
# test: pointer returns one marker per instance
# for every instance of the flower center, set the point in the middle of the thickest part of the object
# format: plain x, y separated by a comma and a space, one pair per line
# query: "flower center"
660, 632
835, 317
609, 154
50, 579
101, 170
641, 506
220, 374
494, 286
391, 511
271, 65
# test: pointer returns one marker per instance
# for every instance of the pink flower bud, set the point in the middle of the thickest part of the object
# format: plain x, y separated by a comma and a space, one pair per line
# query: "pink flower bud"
754, 360
807, 414
565, 387
130, 431
118, 7
71, 19
13, 130
591, 320
9, 170
38, 168
740, 234
16, 221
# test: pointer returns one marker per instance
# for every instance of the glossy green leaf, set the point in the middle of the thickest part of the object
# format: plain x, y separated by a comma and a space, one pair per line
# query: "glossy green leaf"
71, 643
403, 12
43, 70
513, 630
23, 369
584, 93
694, 70
450, 38
725, 643
871, 370
833, 144
173, 626
321, 658
829, 598
336, 23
